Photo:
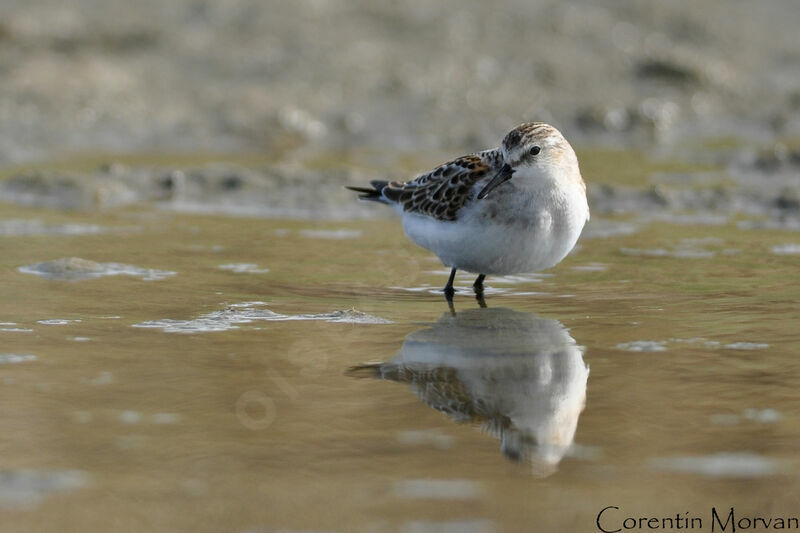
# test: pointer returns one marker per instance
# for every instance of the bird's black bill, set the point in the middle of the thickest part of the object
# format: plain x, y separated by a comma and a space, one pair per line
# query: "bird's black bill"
501, 177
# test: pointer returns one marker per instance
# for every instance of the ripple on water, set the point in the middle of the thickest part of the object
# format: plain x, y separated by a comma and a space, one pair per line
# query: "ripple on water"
247, 312
130, 417
660, 346
746, 346
75, 268
488, 290
165, 419
643, 346
213, 248
591, 267
689, 219
437, 526
742, 464
13, 327
761, 416
334, 234
782, 223
438, 489
682, 253
765, 416
511, 279
684, 249
514, 279
37, 227
431, 437
243, 268
11, 358
24, 488
601, 229
58, 321
786, 249
651, 252
103, 378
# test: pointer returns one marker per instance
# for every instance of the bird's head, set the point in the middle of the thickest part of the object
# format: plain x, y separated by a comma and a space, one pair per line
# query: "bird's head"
533, 152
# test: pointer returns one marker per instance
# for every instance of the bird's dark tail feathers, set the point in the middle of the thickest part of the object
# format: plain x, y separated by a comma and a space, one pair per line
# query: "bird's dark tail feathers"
365, 370
373, 194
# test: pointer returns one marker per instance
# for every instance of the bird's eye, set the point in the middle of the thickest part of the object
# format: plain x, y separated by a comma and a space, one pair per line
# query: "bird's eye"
535, 150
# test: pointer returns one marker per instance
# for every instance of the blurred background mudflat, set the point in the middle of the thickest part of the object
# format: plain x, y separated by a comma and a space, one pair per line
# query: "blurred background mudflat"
249, 75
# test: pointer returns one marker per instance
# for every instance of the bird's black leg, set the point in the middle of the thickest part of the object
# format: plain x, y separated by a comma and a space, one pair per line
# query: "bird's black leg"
478, 287
449, 291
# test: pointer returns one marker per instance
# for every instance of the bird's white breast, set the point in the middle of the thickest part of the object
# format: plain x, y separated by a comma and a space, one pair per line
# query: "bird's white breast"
516, 229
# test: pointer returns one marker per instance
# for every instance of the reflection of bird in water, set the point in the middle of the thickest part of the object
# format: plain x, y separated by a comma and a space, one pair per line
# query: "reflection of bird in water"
520, 376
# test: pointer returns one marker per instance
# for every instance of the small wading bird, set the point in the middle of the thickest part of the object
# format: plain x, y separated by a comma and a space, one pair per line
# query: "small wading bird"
517, 208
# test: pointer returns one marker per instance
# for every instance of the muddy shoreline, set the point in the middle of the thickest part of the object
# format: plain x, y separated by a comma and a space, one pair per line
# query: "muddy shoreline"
753, 190
330, 93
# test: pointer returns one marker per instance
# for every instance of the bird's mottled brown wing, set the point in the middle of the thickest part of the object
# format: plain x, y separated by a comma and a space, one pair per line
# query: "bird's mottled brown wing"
442, 192
439, 387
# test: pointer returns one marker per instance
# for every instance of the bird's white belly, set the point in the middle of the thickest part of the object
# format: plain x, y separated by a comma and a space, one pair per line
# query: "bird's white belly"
485, 245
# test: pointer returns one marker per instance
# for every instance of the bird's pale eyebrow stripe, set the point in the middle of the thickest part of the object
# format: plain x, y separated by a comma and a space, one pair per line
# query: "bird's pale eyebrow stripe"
526, 132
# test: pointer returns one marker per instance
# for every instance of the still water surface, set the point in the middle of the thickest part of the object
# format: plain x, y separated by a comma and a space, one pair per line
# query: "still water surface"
261, 375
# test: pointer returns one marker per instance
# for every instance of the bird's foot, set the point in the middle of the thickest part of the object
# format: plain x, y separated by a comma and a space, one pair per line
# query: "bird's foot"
449, 291
478, 288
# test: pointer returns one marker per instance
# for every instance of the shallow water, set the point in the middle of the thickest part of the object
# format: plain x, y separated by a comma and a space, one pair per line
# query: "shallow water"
308, 376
